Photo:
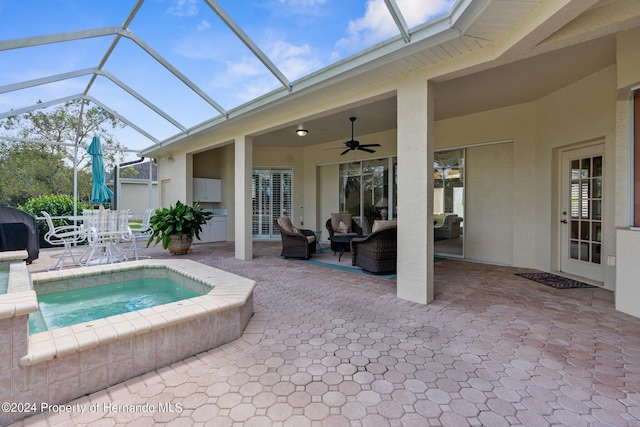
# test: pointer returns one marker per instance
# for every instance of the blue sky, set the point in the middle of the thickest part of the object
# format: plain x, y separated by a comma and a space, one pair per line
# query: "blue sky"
299, 36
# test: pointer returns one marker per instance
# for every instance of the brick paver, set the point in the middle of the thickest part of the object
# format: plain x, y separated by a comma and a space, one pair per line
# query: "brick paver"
333, 348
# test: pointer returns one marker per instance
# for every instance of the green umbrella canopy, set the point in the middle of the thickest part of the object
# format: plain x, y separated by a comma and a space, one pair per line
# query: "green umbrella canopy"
100, 193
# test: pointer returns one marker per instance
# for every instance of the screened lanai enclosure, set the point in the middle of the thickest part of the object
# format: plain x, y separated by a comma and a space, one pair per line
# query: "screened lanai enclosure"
169, 68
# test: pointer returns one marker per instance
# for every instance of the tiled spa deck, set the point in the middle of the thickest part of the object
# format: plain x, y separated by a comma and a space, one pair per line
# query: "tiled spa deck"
333, 348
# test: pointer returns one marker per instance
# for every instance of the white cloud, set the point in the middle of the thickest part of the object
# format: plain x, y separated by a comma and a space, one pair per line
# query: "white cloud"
245, 68
377, 24
184, 8
294, 61
204, 25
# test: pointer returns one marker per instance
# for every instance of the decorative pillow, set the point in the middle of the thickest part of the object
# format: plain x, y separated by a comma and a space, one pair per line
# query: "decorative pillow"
342, 227
295, 230
336, 218
379, 224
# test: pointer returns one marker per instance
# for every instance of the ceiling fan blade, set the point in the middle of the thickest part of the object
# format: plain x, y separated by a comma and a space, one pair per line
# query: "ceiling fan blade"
345, 151
368, 150
370, 145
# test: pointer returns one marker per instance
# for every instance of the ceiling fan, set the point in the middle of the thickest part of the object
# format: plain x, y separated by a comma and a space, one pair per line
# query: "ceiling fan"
355, 145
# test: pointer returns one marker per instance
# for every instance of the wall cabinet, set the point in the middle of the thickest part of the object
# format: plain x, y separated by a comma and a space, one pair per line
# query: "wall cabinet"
207, 190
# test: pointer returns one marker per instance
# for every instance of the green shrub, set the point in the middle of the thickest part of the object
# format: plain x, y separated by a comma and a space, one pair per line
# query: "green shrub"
60, 205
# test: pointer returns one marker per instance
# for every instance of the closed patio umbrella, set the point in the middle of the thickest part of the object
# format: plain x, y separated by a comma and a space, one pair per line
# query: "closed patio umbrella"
100, 193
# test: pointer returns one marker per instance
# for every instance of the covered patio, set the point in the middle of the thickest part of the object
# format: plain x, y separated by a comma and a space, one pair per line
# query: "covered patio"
331, 348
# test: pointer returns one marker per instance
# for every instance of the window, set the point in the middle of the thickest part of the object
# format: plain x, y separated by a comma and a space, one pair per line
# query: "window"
271, 196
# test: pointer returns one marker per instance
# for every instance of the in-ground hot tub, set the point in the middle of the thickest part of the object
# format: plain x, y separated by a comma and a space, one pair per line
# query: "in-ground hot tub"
63, 364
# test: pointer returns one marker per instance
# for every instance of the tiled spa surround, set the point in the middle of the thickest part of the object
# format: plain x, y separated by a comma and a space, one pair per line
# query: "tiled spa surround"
60, 365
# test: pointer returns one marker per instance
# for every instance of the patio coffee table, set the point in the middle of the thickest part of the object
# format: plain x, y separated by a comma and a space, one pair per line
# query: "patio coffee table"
343, 242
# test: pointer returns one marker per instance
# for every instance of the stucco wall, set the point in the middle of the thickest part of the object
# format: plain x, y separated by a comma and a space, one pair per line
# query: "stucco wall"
489, 203
135, 196
628, 241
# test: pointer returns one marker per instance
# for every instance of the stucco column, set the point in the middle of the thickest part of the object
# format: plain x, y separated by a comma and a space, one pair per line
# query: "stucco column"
242, 182
415, 191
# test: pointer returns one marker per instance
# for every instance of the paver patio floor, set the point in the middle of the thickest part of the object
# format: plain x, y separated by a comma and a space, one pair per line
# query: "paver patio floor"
333, 348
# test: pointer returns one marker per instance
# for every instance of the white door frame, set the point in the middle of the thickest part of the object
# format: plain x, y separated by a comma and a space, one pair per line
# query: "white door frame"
581, 231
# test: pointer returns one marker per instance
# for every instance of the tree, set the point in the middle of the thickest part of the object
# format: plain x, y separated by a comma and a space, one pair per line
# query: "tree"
33, 169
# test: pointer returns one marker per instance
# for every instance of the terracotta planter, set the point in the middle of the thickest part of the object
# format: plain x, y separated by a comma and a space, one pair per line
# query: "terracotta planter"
179, 245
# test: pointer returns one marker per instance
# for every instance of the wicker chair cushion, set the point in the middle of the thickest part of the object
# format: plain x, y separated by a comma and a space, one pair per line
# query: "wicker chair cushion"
379, 224
285, 223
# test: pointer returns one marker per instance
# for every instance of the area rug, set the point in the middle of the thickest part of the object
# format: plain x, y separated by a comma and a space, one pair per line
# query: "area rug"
329, 260
555, 281
349, 268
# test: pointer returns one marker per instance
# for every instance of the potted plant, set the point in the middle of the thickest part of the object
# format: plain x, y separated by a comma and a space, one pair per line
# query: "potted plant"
176, 226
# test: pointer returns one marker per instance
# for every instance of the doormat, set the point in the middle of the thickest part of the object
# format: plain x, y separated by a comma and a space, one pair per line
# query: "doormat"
555, 281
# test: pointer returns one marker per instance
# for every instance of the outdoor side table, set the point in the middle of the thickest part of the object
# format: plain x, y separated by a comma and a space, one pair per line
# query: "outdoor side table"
318, 233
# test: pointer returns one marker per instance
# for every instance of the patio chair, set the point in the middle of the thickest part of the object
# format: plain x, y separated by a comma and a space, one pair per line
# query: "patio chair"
140, 231
65, 235
296, 242
349, 227
378, 252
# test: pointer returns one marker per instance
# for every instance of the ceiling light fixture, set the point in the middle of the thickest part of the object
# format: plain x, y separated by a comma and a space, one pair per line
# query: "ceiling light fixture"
302, 132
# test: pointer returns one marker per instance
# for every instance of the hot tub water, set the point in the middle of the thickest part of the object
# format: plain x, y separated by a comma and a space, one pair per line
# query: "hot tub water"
68, 308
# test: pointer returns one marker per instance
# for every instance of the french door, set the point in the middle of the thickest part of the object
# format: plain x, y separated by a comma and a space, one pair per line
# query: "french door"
271, 195
582, 210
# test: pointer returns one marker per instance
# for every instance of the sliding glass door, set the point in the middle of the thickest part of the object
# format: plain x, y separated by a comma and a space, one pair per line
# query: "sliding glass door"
271, 196
364, 190
448, 202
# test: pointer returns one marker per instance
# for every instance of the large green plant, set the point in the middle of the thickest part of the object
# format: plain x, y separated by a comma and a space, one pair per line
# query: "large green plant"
59, 205
180, 220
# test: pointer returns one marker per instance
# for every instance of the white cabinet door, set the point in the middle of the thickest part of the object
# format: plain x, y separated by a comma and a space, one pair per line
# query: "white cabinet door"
199, 189
215, 230
214, 190
218, 229
205, 233
207, 190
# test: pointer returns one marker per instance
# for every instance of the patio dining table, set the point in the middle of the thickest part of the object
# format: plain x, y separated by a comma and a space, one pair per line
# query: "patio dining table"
105, 229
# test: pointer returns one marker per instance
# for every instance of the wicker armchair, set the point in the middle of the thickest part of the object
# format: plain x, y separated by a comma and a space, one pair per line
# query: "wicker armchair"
377, 252
332, 227
296, 242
